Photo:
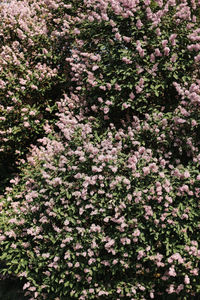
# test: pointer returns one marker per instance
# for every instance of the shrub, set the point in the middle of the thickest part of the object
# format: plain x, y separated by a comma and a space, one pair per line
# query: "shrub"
109, 209
128, 55
111, 58
32, 76
99, 216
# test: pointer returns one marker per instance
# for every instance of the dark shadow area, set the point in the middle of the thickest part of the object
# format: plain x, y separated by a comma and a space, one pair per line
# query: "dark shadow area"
11, 289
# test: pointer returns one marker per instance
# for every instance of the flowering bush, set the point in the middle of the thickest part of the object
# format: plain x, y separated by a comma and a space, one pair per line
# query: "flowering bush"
105, 208
101, 217
128, 54
32, 78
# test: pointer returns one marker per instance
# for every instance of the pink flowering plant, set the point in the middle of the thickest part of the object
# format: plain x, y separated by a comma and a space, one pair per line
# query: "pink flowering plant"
128, 54
32, 77
106, 203
98, 216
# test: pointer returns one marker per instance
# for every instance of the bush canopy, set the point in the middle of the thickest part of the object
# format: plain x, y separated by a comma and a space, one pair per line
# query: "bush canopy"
100, 125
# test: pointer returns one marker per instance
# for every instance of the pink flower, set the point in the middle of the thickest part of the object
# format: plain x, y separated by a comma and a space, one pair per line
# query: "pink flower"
151, 295
76, 31
91, 19
187, 279
186, 174
172, 39
136, 233
66, 222
34, 87
117, 87
179, 288
131, 95
166, 51
172, 272
157, 52
109, 244
194, 122
141, 253
146, 170
126, 39
114, 169
129, 197
164, 43
126, 181
94, 68
109, 87
77, 264
106, 110
152, 57
56, 258
158, 32
171, 289
139, 24
118, 36
195, 272
26, 285
26, 124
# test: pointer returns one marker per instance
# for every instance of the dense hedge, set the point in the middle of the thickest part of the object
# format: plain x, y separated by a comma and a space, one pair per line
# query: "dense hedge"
106, 204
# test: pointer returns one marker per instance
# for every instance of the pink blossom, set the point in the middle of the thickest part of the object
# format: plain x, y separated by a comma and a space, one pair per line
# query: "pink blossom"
170, 290
187, 279
126, 39
166, 51
95, 67
157, 52
141, 253
172, 271
126, 181
26, 285
26, 124
106, 110
118, 36
136, 233
164, 43
146, 170
151, 295
117, 87
195, 272
131, 95
139, 24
